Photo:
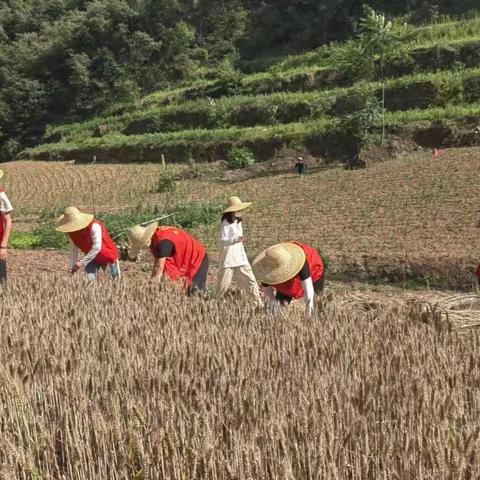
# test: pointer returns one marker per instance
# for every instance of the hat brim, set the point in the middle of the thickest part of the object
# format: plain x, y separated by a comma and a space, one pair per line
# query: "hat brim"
237, 208
137, 244
264, 273
83, 221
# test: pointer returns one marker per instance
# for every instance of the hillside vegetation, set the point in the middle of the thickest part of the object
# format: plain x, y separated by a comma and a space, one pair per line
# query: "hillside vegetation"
64, 61
390, 79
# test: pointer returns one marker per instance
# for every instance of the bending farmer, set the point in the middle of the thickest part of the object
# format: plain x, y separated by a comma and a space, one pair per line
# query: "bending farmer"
293, 269
92, 238
233, 261
176, 253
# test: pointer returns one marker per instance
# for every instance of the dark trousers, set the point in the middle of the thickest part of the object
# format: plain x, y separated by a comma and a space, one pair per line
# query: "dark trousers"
3, 271
317, 287
199, 282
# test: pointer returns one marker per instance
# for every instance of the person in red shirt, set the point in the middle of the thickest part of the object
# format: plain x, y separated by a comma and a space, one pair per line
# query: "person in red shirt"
5, 230
91, 237
294, 269
177, 254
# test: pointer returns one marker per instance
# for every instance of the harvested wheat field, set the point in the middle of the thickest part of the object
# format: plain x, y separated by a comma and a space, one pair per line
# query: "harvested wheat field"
106, 382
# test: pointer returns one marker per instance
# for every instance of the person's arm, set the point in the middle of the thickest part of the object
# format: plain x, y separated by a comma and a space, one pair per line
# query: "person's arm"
228, 236
158, 268
307, 285
271, 303
269, 293
6, 209
73, 255
165, 249
309, 294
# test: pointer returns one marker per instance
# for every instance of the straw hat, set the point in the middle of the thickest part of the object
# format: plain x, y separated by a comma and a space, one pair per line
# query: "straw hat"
279, 263
73, 220
140, 238
236, 205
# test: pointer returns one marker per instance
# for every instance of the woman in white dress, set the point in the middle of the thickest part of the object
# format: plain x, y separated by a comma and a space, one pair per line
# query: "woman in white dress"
233, 260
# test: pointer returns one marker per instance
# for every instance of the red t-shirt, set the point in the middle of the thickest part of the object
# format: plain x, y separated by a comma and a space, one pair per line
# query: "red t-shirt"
187, 256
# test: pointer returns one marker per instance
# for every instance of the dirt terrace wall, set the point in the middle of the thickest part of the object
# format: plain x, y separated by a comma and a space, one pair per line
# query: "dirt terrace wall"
436, 272
332, 146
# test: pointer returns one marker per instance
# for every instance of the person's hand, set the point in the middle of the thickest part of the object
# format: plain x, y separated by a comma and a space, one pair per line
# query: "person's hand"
3, 253
76, 267
242, 239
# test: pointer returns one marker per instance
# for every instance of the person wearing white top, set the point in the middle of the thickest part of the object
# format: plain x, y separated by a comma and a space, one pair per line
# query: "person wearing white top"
233, 260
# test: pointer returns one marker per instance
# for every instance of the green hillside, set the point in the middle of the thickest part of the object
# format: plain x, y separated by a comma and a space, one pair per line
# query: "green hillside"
328, 101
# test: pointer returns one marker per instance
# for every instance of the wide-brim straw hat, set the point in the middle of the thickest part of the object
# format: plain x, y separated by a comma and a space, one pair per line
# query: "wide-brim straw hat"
73, 220
279, 263
140, 238
236, 205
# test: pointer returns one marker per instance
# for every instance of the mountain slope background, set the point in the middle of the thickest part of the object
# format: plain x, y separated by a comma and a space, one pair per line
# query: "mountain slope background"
70, 60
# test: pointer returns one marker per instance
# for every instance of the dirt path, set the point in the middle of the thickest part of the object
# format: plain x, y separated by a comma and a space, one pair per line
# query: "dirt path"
40, 262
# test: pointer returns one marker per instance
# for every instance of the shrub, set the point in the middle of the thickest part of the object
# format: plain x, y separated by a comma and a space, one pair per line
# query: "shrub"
195, 214
364, 117
48, 237
166, 183
9, 150
24, 240
240, 157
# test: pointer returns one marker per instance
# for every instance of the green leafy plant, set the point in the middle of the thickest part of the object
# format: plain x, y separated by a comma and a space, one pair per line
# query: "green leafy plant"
365, 115
195, 214
167, 182
379, 42
240, 157
24, 240
48, 237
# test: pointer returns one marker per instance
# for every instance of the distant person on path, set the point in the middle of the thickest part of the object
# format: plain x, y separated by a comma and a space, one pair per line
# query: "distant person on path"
92, 238
233, 260
295, 270
178, 254
6, 210
300, 166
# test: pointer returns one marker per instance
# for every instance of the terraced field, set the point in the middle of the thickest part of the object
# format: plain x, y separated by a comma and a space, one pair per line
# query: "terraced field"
299, 102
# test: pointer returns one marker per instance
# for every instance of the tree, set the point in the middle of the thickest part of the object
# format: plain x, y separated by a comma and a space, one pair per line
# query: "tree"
378, 43
383, 41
